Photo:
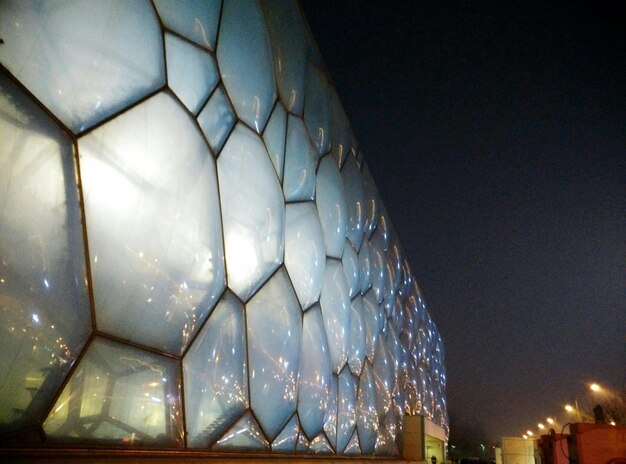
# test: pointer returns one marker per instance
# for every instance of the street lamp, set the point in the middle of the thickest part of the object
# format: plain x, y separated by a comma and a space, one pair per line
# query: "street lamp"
541, 426
595, 387
569, 408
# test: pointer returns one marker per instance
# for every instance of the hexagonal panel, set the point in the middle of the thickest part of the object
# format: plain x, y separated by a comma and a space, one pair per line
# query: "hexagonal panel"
198, 20
244, 435
330, 419
290, 47
216, 119
341, 136
317, 108
355, 201
274, 327
356, 344
304, 251
155, 235
253, 212
44, 309
191, 72
85, 60
119, 395
331, 205
314, 376
335, 303
350, 262
274, 137
346, 415
366, 414
288, 437
300, 163
215, 374
245, 61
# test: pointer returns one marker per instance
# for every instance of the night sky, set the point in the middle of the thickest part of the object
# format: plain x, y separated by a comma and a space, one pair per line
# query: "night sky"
496, 132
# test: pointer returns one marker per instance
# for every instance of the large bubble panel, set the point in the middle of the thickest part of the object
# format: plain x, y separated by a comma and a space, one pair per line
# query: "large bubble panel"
154, 226
121, 396
44, 310
253, 211
84, 59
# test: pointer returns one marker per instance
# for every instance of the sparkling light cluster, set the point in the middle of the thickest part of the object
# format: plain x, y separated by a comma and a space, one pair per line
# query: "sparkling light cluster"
193, 250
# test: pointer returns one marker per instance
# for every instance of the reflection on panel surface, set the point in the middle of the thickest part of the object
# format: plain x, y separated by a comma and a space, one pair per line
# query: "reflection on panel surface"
274, 325
253, 212
159, 163
154, 224
335, 303
44, 311
104, 56
314, 377
197, 21
300, 163
245, 61
119, 395
217, 119
191, 72
216, 382
331, 204
304, 251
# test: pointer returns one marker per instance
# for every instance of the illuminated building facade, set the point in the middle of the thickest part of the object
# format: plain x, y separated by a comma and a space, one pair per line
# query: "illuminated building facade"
194, 254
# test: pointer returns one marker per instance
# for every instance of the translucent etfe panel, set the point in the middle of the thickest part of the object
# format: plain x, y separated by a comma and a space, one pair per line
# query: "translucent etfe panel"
119, 395
288, 36
154, 226
350, 262
197, 21
330, 418
320, 445
355, 201
191, 72
372, 323
44, 310
372, 200
216, 119
378, 266
382, 372
245, 61
288, 437
215, 374
303, 443
274, 320
365, 264
353, 448
245, 435
317, 108
86, 59
253, 211
314, 376
366, 414
274, 137
335, 302
346, 400
340, 133
305, 254
300, 163
356, 346
331, 205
